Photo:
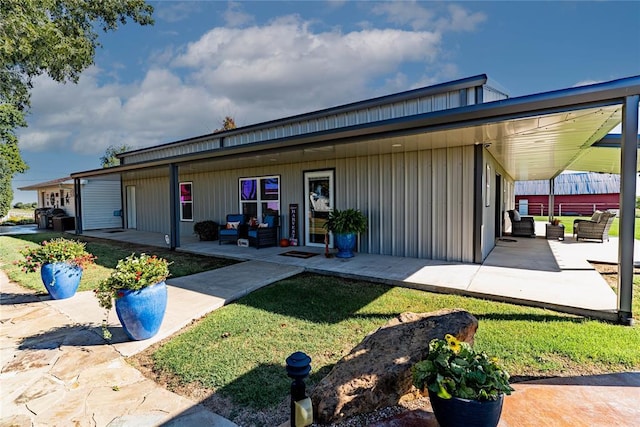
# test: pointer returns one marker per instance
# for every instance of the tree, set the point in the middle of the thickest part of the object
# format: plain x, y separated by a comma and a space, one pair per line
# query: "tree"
6, 193
58, 38
227, 124
109, 159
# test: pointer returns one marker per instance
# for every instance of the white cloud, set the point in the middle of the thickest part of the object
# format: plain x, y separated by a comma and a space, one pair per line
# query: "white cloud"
175, 11
418, 17
254, 74
285, 63
234, 16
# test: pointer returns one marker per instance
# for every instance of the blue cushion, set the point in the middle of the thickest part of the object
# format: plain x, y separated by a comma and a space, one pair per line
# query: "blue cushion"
253, 233
270, 219
226, 232
235, 218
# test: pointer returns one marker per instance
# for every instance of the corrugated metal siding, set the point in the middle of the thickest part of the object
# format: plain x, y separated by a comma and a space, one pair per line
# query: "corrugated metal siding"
572, 184
152, 204
490, 94
100, 198
171, 151
392, 110
418, 203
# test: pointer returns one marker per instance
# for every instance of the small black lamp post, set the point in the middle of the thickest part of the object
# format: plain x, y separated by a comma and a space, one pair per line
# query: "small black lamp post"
298, 367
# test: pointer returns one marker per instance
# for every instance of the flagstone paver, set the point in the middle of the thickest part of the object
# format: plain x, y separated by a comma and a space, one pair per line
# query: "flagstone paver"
56, 372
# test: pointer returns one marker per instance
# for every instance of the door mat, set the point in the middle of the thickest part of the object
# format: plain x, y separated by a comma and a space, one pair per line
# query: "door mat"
115, 231
503, 239
298, 254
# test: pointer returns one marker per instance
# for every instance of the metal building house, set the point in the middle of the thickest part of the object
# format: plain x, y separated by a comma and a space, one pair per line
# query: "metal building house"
432, 168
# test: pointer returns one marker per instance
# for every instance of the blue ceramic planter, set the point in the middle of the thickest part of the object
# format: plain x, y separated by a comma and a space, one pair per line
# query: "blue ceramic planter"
345, 244
61, 279
457, 412
141, 312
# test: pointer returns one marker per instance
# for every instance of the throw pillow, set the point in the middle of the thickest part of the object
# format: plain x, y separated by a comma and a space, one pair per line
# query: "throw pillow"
596, 216
233, 225
263, 225
516, 216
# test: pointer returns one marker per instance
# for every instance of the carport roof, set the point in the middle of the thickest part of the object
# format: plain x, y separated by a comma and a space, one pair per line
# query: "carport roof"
532, 137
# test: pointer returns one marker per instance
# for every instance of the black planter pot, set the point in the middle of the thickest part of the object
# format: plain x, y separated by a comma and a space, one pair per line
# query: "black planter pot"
457, 412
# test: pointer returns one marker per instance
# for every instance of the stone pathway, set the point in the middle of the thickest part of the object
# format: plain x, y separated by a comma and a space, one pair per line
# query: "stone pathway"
57, 372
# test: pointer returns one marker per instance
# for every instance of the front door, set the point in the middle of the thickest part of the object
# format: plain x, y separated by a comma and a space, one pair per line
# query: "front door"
318, 190
131, 206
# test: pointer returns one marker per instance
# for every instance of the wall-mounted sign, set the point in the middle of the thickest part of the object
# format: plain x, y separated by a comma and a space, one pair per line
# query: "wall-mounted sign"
293, 224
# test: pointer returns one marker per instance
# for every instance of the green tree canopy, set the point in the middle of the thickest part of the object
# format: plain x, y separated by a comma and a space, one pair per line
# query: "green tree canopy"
58, 38
109, 159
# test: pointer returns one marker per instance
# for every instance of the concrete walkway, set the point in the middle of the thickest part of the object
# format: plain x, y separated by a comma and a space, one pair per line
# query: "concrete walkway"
56, 369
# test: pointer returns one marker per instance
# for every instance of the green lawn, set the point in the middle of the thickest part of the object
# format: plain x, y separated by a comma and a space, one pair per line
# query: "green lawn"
108, 253
239, 350
568, 224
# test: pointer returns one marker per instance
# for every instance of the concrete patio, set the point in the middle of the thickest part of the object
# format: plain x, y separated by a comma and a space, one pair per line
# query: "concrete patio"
531, 271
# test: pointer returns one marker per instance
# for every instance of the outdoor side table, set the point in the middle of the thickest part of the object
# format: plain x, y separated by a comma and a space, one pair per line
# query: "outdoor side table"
554, 231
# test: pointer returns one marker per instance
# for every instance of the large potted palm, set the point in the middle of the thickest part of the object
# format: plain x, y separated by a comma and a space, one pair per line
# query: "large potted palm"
345, 226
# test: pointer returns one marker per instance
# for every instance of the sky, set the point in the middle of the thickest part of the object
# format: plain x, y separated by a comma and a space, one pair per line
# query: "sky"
264, 60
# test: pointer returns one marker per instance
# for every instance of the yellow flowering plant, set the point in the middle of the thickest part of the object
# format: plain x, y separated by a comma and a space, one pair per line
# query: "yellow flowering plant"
454, 369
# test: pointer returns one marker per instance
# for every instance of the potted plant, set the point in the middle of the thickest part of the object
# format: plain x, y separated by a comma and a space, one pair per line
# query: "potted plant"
345, 226
61, 264
465, 387
206, 230
138, 287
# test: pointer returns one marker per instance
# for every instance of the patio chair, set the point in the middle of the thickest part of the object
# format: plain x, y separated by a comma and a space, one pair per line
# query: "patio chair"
523, 226
266, 233
595, 230
594, 218
233, 229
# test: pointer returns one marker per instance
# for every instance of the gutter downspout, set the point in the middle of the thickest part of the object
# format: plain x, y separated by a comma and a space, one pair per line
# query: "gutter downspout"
628, 166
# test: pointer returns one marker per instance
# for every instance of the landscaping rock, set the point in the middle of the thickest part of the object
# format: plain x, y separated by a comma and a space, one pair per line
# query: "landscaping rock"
377, 372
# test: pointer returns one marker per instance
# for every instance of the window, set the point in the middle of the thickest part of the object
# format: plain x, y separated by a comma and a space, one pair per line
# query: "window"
260, 196
186, 201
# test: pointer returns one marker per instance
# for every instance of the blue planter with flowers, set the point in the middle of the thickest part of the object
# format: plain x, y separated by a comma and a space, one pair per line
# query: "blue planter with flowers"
61, 279
141, 311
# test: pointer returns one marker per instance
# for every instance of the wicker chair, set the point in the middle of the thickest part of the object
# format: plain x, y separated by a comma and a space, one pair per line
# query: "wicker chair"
595, 230
522, 226
234, 229
261, 237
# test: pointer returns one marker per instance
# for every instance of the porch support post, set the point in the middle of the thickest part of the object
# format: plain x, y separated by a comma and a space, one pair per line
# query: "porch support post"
628, 166
478, 206
174, 207
552, 193
77, 195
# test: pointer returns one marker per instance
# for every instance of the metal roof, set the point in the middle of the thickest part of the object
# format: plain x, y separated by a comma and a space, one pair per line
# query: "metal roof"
571, 184
54, 182
533, 137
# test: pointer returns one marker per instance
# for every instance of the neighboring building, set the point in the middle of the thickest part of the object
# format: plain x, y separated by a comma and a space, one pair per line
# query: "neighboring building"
574, 194
57, 193
101, 201
433, 169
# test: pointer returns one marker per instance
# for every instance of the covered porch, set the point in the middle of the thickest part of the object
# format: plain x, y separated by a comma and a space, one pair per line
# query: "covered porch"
536, 272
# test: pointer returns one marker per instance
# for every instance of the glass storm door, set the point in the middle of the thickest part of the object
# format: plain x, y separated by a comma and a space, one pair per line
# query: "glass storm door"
318, 190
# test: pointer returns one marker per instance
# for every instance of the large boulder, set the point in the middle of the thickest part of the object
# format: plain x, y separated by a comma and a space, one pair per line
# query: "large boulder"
377, 372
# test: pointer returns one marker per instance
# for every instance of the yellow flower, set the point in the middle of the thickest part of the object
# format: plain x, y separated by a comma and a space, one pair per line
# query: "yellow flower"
453, 342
